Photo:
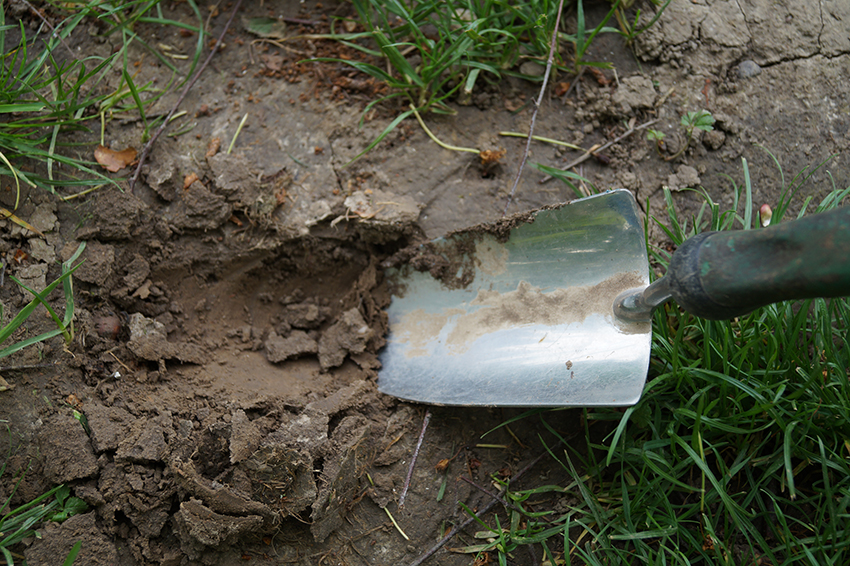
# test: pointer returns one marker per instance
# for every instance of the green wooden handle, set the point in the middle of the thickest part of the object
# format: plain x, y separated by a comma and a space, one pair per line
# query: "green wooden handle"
720, 275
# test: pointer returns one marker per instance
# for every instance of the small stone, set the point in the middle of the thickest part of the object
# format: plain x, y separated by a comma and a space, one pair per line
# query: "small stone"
107, 326
532, 69
765, 214
748, 69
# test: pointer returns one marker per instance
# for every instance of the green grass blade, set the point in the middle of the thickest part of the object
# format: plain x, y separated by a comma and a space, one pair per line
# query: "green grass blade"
19, 107
786, 455
565, 176
68, 286
397, 60
17, 346
383, 134
72, 554
41, 298
748, 192
732, 508
366, 68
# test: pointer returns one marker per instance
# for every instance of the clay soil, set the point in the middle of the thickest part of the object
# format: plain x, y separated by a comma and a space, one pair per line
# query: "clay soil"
228, 332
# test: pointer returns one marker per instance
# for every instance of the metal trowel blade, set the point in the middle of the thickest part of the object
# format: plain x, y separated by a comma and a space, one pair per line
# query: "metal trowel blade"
523, 317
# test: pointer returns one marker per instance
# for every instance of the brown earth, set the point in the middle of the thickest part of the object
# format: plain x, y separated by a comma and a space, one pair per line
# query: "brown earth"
227, 333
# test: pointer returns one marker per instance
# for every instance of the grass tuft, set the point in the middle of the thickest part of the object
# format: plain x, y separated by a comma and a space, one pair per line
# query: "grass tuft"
434, 51
45, 90
19, 523
64, 325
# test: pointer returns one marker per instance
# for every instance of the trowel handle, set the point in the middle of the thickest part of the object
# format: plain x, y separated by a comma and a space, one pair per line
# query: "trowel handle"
720, 275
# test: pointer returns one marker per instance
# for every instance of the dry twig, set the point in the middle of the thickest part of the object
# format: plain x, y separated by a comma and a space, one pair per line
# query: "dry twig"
183, 94
56, 34
594, 150
413, 459
488, 492
537, 106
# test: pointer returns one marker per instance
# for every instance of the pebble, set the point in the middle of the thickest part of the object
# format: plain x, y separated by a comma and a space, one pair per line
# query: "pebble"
532, 69
748, 69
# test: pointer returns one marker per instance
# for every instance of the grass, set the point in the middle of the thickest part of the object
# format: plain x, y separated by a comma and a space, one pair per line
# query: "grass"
440, 49
739, 450
19, 523
64, 325
45, 91
691, 121
435, 51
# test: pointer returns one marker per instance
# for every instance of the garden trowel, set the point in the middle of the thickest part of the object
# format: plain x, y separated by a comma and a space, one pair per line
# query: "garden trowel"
553, 308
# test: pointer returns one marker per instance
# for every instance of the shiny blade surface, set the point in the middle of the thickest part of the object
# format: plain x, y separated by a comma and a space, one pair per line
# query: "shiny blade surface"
526, 322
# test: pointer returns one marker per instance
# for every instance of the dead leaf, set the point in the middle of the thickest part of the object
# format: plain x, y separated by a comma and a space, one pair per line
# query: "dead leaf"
19, 222
267, 28
562, 88
20, 256
512, 106
272, 61
491, 156
5, 385
190, 178
213, 147
113, 161
599, 76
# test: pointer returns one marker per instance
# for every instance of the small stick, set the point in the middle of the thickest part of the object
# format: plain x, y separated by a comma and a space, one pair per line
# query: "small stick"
574, 85
183, 94
594, 150
536, 106
463, 525
495, 496
52, 29
413, 460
